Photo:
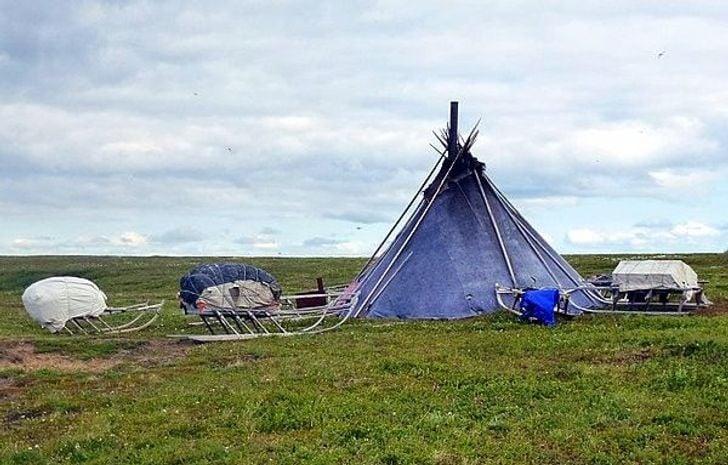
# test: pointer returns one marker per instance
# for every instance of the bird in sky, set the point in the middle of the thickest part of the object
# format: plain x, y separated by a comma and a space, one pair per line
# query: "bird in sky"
229, 149
661, 54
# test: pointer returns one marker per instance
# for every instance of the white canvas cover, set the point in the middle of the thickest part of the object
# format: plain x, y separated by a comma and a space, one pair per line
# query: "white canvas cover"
53, 301
633, 275
244, 294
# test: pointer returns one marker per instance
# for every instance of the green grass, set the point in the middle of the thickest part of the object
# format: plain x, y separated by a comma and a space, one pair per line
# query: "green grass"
595, 390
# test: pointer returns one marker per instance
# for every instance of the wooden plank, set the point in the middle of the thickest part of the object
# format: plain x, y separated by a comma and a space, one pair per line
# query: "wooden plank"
203, 338
452, 139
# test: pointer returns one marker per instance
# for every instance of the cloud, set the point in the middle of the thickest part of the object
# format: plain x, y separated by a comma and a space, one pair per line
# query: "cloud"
269, 231
181, 235
353, 248
548, 202
635, 143
589, 237
317, 242
684, 179
258, 242
654, 224
363, 217
125, 242
129, 239
652, 235
694, 229
632, 158
86, 241
299, 119
333, 246
26, 244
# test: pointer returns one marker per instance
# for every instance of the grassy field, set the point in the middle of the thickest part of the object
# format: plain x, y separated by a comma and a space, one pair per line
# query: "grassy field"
594, 390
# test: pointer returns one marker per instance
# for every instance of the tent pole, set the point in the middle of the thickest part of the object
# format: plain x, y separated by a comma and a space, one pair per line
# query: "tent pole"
460, 151
530, 242
409, 236
452, 139
510, 209
516, 216
496, 229
394, 274
396, 223
452, 149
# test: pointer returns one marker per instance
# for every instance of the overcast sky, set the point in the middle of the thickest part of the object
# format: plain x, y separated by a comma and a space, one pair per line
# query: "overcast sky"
303, 128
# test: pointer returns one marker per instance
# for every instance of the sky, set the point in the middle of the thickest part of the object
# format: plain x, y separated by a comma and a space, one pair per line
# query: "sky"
302, 128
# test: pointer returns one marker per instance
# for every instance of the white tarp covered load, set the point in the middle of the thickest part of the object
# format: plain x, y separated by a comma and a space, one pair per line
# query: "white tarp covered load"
54, 301
243, 294
635, 275
228, 286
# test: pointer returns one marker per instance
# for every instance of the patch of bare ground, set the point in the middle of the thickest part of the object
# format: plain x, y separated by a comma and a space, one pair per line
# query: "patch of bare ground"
155, 352
692, 446
714, 310
632, 357
9, 387
22, 355
17, 416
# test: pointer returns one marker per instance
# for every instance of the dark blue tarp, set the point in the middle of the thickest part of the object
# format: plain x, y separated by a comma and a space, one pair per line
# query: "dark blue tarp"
540, 305
450, 265
203, 276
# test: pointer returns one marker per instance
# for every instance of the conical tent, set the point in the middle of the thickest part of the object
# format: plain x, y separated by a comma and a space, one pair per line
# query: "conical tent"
462, 240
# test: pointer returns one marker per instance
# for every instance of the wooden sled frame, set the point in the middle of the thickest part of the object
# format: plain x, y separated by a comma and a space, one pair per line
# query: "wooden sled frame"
242, 324
645, 300
98, 325
620, 306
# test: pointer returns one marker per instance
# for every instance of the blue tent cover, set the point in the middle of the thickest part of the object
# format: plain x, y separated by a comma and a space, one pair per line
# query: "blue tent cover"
455, 248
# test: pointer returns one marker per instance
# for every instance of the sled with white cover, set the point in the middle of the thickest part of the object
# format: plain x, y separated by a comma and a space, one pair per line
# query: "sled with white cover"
68, 303
637, 287
654, 285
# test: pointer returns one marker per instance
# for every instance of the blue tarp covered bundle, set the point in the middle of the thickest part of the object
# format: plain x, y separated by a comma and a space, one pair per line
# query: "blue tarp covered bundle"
205, 276
540, 305
448, 257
